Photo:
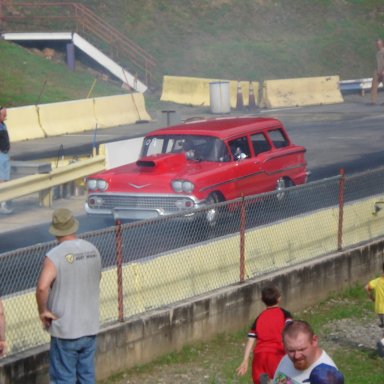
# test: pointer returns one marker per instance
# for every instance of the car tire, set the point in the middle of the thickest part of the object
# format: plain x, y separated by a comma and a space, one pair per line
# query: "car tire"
212, 215
281, 185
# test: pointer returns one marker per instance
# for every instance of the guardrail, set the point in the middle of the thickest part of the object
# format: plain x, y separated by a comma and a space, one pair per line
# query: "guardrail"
357, 85
44, 183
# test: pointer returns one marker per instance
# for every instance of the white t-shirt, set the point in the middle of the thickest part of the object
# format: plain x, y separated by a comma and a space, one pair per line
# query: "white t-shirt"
286, 373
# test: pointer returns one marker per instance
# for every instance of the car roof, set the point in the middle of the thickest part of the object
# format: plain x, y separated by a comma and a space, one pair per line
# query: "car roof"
220, 127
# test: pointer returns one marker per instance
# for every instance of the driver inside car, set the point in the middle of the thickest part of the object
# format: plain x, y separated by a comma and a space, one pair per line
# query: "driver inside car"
189, 149
239, 155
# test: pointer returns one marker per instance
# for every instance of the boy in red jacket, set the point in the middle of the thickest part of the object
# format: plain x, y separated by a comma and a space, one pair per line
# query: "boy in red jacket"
266, 331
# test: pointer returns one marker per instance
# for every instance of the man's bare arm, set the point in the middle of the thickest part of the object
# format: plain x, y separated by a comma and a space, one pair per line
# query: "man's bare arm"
47, 276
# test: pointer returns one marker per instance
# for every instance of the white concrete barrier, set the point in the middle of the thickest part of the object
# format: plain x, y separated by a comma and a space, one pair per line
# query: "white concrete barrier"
121, 152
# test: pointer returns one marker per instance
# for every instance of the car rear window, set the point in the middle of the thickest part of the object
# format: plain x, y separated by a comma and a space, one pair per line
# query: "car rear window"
260, 143
278, 138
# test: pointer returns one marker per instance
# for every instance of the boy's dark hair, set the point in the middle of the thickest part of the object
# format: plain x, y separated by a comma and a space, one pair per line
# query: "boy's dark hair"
270, 295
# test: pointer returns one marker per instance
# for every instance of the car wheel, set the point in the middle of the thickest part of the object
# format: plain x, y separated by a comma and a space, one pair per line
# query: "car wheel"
281, 185
212, 214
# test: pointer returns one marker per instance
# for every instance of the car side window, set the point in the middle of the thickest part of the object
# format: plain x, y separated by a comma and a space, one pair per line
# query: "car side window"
278, 138
240, 148
260, 143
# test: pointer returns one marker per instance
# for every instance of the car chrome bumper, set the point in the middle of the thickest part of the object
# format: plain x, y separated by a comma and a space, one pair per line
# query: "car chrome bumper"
127, 212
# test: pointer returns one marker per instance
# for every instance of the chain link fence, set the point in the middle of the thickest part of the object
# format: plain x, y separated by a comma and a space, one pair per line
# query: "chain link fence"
150, 264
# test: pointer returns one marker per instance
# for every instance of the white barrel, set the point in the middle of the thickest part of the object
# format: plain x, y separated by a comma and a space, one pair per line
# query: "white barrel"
219, 97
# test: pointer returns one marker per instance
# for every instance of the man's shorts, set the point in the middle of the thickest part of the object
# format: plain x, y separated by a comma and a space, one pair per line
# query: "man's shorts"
5, 167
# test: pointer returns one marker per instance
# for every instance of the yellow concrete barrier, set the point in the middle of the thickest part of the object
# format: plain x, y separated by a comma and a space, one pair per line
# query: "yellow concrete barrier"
67, 117
192, 271
186, 90
360, 223
184, 273
55, 119
195, 91
301, 92
23, 124
139, 103
117, 110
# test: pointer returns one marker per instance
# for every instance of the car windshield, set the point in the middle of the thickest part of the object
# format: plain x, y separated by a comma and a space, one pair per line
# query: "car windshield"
199, 148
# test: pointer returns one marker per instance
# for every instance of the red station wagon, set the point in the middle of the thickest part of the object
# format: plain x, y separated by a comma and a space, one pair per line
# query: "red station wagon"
197, 164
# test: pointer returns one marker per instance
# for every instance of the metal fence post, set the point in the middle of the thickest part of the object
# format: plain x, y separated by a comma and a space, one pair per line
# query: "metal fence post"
341, 210
242, 239
119, 266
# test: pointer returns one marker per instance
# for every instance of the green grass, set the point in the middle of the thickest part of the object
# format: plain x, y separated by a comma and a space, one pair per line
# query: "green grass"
28, 79
351, 304
222, 355
359, 366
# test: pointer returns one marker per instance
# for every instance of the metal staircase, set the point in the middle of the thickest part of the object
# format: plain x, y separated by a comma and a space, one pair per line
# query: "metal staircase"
44, 17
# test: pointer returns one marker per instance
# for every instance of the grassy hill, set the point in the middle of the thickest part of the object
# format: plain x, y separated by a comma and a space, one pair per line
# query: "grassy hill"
253, 39
27, 78
235, 39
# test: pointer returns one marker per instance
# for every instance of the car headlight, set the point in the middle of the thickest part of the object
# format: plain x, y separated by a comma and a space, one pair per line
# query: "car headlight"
177, 186
188, 187
93, 184
183, 186
102, 185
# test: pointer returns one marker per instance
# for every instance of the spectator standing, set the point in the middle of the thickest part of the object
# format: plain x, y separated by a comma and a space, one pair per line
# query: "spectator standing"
378, 74
5, 165
375, 291
266, 331
67, 295
3, 344
303, 354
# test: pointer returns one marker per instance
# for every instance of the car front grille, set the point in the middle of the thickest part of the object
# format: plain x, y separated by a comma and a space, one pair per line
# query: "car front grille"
167, 203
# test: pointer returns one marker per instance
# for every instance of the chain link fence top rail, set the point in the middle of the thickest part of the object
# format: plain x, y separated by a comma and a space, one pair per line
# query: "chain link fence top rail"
154, 263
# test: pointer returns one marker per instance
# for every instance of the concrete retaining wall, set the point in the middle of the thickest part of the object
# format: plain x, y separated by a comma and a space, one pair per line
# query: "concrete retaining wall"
141, 339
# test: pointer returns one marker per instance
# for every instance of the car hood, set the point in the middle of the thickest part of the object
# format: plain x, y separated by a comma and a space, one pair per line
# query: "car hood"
153, 174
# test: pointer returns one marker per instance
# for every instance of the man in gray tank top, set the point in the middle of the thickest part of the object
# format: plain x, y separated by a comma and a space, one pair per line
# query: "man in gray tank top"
67, 296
